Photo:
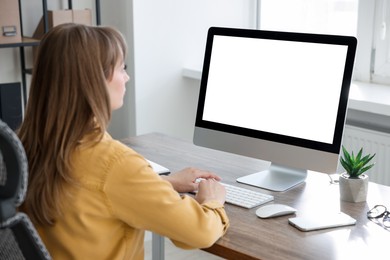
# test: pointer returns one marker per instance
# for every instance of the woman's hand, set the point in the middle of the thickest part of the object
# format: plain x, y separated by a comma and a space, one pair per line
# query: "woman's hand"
210, 190
186, 180
204, 182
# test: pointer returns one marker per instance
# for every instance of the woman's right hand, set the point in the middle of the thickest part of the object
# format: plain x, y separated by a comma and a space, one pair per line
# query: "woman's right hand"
210, 190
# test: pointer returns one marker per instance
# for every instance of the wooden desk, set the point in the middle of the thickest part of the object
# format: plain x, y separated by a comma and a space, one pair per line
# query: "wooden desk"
250, 237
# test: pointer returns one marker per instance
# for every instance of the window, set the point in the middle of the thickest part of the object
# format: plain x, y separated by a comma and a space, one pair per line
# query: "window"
320, 16
381, 43
368, 20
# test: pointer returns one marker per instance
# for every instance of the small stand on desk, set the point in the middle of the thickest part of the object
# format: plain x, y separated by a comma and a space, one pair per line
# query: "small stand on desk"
276, 178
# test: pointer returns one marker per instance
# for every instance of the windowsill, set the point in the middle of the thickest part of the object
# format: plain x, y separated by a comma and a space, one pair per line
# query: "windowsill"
371, 98
366, 97
192, 73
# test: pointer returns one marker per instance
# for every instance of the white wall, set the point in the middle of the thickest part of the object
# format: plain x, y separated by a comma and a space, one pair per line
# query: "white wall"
119, 15
168, 36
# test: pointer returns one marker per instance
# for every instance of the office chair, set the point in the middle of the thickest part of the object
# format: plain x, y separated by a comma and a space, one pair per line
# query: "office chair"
18, 237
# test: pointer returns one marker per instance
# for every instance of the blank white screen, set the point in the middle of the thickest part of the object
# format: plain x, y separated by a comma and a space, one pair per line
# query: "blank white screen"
282, 87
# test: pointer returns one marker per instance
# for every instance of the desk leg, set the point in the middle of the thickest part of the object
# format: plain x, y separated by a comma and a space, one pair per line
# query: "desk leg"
157, 247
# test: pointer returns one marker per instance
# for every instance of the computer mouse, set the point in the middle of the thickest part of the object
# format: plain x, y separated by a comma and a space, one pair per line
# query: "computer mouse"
274, 210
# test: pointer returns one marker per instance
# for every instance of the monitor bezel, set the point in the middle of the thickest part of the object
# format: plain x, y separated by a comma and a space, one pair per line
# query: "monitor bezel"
348, 41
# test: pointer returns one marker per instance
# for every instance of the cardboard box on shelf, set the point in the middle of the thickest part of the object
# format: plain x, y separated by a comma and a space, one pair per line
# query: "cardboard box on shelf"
56, 17
9, 22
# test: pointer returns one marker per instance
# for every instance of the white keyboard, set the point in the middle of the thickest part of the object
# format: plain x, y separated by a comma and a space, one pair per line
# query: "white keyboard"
244, 197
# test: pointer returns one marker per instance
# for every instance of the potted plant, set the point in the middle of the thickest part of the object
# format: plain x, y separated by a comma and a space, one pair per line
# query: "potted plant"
354, 183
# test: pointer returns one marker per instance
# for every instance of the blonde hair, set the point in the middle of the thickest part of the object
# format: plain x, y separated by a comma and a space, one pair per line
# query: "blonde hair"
68, 100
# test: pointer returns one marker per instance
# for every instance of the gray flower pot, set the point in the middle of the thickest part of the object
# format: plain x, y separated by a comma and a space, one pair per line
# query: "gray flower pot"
353, 189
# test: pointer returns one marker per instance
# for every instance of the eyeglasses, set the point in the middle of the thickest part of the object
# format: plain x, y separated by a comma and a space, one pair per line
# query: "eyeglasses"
380, 212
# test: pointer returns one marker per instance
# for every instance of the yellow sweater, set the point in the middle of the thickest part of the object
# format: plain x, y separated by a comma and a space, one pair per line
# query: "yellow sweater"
119, 197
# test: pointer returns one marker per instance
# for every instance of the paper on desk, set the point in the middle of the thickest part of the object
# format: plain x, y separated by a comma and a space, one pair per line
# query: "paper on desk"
159, 168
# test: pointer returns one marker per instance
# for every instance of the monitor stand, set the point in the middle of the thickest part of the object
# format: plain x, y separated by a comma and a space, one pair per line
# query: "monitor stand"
276, 178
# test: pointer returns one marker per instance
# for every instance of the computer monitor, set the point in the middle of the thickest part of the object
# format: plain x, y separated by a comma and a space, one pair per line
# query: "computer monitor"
276, 96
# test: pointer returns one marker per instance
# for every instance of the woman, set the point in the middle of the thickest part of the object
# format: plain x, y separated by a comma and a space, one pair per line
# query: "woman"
90, 196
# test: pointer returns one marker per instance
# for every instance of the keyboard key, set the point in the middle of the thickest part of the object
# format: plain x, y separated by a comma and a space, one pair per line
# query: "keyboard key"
244, 197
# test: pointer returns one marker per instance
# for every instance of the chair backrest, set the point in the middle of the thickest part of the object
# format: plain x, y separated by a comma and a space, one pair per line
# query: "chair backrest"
18, 237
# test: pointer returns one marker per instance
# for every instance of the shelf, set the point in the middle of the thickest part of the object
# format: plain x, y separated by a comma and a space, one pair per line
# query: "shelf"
26, 41
29, 41
21, 43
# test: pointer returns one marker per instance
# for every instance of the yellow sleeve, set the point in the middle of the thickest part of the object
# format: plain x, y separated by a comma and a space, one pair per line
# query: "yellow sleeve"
143, 200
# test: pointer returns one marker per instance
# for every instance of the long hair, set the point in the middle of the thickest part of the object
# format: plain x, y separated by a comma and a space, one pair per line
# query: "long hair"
68, 101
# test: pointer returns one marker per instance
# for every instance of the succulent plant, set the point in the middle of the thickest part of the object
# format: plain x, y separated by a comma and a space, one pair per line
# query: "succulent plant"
355, 166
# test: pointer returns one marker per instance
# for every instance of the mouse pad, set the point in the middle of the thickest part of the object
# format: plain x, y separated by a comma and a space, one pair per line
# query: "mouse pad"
321, 221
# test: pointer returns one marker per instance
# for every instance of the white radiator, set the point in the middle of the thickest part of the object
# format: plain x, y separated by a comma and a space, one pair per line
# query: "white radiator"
372, 142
